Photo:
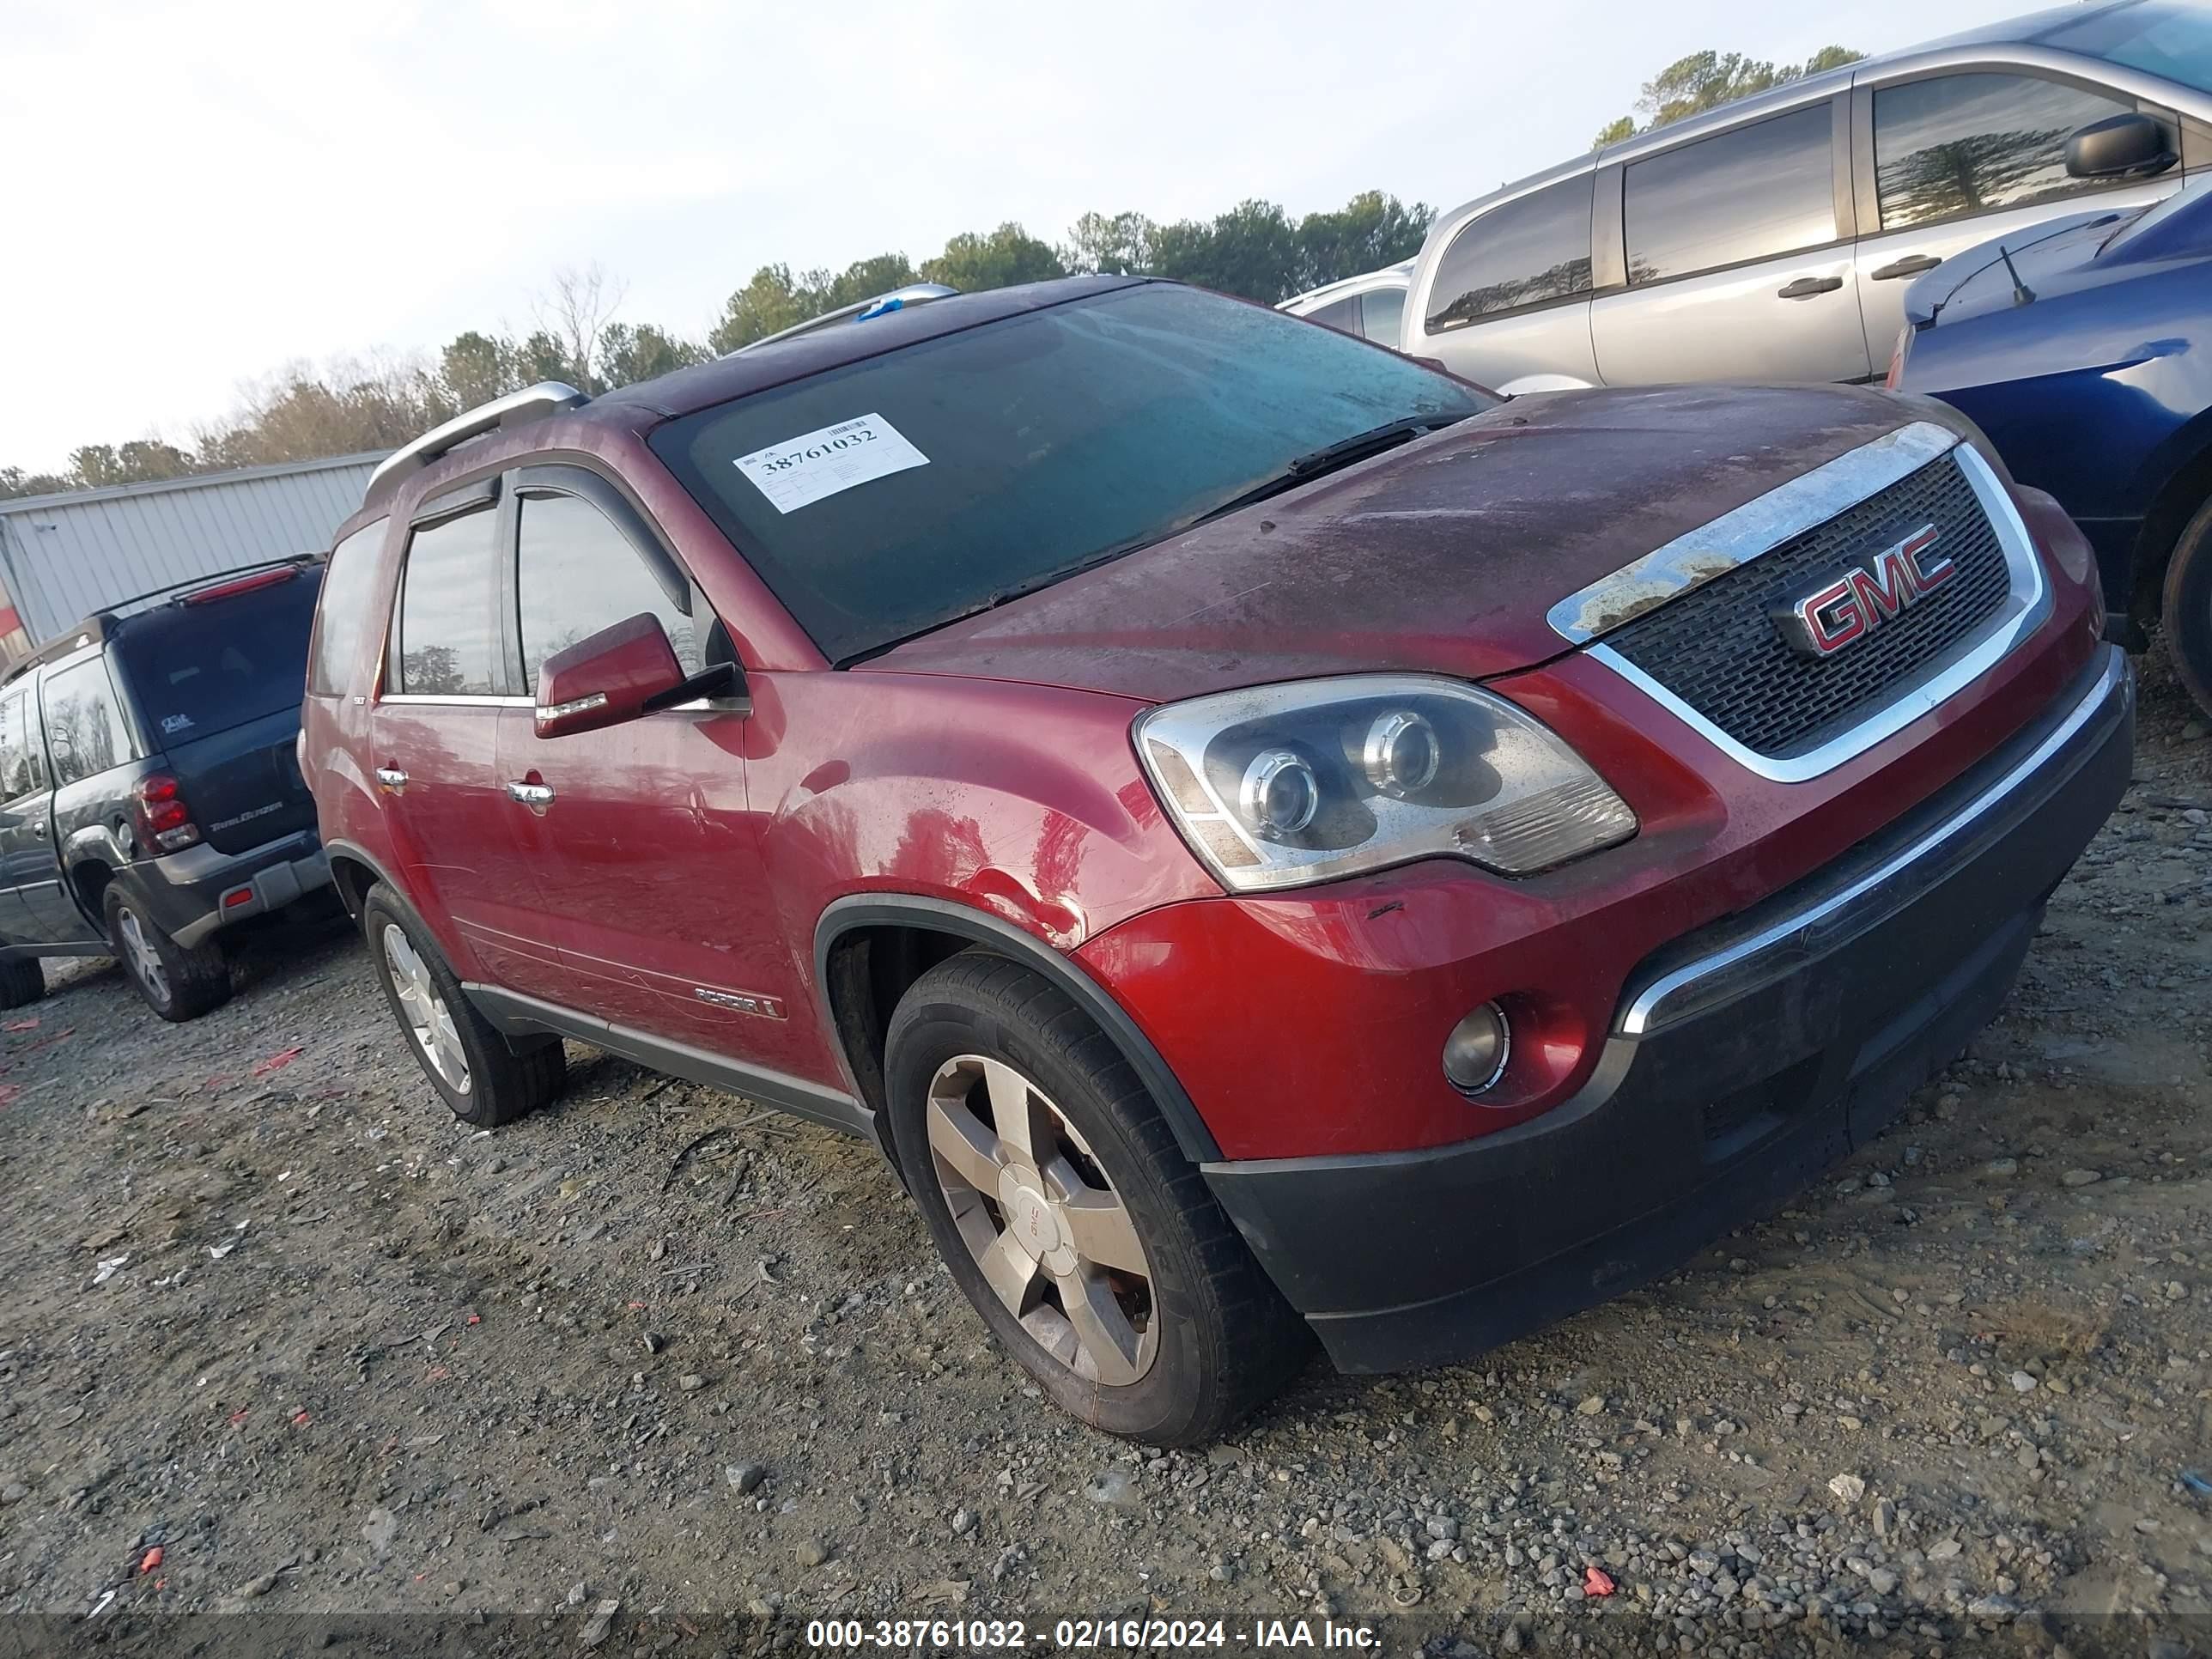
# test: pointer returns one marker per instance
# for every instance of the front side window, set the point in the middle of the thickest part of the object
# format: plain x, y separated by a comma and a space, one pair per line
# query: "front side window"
1748, 194
888, 496
1957, 144
448, 643
343, 619
1380, 311
1535, 248
20, 770
576, 574
85, 729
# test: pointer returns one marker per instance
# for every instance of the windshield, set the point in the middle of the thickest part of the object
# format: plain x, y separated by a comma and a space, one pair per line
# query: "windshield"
2169, 38
198, 669
889, 497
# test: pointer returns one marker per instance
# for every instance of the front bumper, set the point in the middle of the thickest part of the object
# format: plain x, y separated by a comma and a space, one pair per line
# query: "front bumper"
185, 892
1743, 1060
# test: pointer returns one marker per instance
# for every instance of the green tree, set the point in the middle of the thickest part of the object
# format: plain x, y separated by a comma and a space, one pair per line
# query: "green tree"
14, 482
1251, 251
864, 279
143, 460
476, 368
629, 355
973, 262
1112, 244
772, 301
1706, 80
542, 356
1367, 233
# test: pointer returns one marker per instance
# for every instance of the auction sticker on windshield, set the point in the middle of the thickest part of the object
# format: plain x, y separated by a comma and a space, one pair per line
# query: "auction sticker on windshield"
820, 462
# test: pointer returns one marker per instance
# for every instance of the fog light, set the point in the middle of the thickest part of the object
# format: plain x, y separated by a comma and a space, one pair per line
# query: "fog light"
1476, 1051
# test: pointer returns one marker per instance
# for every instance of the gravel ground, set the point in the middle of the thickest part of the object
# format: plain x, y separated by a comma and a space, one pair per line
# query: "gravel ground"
653, 1369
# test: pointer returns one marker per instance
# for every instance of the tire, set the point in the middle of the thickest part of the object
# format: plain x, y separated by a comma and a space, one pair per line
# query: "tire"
22, 981
1202, 1336
484, 1078
176, 982
2187, 609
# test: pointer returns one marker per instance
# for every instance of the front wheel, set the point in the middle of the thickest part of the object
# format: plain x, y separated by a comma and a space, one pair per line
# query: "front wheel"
2187, 609
1068, 1215
177, 982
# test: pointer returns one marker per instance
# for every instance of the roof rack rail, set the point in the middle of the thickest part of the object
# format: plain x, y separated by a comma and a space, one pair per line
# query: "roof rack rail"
532, 403
914, 294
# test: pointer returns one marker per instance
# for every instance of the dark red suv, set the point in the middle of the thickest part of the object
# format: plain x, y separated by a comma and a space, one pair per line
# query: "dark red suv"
1268, 838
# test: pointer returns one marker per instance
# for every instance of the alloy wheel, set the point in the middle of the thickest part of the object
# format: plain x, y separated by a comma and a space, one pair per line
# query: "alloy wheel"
1051, 1236
424, 1011
144, 960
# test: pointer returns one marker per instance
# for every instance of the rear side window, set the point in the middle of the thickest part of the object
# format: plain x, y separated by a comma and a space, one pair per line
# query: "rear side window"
84, 723
1958, 144
1340, 314
448, 643
1747, 194
22, 768
1529, 251
343, 618
1380, 311
198, 669
578, 574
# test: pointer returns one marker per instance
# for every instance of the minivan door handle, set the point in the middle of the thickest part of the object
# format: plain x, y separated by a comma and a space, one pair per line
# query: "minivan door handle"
1806, 287
1910, 266
536, 796
390, 779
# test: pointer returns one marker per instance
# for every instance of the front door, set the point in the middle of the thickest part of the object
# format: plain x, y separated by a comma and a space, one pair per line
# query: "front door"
436, 733
28, 869
1736, 268
1961, 158
649, 876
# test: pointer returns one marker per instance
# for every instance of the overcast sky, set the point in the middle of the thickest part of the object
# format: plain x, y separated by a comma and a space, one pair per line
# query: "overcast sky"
198, 195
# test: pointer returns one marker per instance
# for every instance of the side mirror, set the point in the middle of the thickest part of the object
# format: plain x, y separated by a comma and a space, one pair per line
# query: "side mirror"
10, 820
2120, 147
611, 676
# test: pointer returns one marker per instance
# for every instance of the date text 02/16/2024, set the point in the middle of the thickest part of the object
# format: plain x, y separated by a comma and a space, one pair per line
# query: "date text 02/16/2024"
1079, 1635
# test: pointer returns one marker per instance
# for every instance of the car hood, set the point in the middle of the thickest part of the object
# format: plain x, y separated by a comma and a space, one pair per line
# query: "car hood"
1443, 556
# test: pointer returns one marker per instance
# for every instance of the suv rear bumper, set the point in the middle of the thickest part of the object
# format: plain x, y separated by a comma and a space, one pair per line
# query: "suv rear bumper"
1744, 1059
184, 892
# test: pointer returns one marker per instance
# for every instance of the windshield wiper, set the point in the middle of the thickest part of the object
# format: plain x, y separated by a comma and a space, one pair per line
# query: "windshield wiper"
1332, 457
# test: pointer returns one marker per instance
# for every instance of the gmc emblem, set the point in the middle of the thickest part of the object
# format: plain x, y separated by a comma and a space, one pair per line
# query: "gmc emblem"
1839, 609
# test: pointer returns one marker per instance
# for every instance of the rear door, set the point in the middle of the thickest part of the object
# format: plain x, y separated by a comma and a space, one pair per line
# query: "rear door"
1950, 159
1383, 314
434, 734
28, 869
1739, 259
216, 679
92, 757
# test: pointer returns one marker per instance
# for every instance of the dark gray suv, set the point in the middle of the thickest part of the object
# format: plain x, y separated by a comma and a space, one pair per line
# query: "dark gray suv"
150, 794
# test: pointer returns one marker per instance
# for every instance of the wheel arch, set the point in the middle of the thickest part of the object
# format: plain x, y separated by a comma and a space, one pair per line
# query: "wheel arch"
869, 947
353, 873
2183, 472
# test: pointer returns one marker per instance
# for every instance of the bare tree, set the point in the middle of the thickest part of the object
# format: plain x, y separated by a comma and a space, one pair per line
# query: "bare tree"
576, 312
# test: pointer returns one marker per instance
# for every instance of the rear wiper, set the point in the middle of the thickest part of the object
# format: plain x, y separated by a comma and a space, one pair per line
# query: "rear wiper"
1332, 457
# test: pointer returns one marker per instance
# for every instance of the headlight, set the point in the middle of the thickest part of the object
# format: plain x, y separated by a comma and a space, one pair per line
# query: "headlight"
1284, 785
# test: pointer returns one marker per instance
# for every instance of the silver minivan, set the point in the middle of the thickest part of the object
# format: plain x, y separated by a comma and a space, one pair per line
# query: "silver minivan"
1773, 239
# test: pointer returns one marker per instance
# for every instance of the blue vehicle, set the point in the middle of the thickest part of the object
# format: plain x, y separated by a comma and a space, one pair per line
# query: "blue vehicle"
2084, 347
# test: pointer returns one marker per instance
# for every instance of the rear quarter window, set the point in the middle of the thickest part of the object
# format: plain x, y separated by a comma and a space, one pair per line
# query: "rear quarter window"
85, 729
1533, 249
342, 618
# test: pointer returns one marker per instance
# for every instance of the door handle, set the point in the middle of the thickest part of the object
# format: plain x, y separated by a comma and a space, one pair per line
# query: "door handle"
1910, 266
536, 796
38, 828
1806, 287
390, 779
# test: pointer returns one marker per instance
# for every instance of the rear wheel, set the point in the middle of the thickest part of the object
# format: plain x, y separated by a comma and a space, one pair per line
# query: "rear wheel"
22, 981
1069, 1216
2188, 607
477, 1072
177, 982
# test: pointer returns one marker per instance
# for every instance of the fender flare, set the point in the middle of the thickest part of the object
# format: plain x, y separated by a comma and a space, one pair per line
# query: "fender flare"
857, 910
92, 843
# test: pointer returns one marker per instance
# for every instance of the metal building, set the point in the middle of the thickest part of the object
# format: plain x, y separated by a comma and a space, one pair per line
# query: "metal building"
63, 557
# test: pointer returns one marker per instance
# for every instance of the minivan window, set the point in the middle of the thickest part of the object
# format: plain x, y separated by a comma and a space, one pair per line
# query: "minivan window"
85, 729
1535, 248
1340, 314
1972, 143
1381, 312
577, 575
342, 618
197, 669
1023, 450
1748, 194
448, 641
2172, 39
20, 768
